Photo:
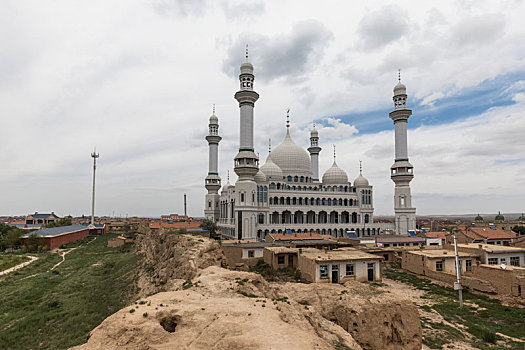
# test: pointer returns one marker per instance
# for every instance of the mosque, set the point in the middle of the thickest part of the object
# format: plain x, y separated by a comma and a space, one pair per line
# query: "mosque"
286, 194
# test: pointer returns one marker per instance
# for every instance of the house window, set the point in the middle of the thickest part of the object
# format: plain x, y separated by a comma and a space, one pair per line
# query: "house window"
349, 269
323, 272
502, 261
242, 197
468, 265
493, 261
439, 265
251, 253
514, 261
280, 259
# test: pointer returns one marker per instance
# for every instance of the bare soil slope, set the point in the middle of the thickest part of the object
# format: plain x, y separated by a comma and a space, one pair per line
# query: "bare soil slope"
224, 309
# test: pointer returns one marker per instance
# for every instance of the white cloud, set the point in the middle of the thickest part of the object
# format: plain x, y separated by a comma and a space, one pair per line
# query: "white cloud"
137, 79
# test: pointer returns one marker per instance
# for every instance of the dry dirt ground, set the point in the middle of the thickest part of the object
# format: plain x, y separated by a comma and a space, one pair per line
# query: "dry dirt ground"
204, 306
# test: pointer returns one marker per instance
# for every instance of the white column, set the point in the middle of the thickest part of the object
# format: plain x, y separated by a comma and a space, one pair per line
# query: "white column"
246, 125
401, 139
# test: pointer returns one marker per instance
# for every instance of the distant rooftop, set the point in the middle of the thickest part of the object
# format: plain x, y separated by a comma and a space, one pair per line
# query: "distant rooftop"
56, 231
492, 248
441, 253
338, 254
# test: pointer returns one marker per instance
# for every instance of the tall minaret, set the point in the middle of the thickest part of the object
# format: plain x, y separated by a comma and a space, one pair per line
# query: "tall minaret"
314, 150
402, 171
213, 181
246, 161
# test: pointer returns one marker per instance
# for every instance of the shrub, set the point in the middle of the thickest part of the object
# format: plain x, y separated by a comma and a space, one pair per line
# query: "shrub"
145, 314
489, 336
131, 311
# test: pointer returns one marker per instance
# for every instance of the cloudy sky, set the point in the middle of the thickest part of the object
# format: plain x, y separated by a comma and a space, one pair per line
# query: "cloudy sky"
137, 79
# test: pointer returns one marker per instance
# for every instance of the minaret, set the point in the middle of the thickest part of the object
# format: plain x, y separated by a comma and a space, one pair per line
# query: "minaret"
213, 181
246, 161
314, 150
402, 171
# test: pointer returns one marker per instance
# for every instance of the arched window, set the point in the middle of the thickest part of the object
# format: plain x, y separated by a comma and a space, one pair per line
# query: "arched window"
261, 218
340, 202
278, 186
293, 188
329, 201
272, 186
265, 194
301, 179
295, 179
289, 178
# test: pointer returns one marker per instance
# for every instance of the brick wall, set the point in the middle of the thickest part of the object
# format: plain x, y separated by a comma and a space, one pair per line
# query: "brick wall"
57, 241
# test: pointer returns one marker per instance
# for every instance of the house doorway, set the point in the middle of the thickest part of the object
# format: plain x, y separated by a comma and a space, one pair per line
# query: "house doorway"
371, 272
335, 273
290, 260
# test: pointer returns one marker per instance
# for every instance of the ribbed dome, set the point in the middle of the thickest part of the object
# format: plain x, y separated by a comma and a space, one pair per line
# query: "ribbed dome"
214, 119
314, 133
260, 177
271, 170
361, 181
335, 176
291, 158
400, 89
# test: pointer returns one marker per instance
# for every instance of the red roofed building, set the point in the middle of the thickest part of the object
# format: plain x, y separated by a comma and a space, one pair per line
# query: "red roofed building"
485, 235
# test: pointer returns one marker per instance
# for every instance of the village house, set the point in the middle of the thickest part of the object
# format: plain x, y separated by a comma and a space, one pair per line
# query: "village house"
306, 240
428, 262
436, 238
486, 235
399, 241
338, 266
281, 257
491, 254
243, 253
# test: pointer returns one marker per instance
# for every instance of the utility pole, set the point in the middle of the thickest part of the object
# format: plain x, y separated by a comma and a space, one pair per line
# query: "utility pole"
457, 285
95, 155
185, 215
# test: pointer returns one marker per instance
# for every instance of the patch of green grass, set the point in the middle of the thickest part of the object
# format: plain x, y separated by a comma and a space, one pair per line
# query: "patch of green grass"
9, 260
48, 310
482, 321
272, 275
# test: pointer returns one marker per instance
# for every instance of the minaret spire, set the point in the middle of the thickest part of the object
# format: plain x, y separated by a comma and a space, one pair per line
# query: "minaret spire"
288, 118
334, 153
269, 146
213, 181
314, 150
360, 168
246, 161
401, 172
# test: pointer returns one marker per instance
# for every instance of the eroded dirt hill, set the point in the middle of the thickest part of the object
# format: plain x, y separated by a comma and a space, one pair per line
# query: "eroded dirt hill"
208, 307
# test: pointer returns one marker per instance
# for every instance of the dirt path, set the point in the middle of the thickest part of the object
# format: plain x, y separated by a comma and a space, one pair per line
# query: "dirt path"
63, 254
19, 266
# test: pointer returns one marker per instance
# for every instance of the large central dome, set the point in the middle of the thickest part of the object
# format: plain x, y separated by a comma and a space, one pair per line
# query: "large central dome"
291, 158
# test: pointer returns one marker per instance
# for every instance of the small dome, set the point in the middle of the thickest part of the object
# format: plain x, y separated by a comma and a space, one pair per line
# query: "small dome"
522, 217
214, 119
291, 158
271, 170
499, 217
361, 181
478, 218
314, 133
260, 177
400, 89
335, 176
246, 67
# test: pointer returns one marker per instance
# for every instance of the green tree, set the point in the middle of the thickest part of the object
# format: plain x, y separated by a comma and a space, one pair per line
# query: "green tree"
9, 237
211, 226
33, 243
520, 230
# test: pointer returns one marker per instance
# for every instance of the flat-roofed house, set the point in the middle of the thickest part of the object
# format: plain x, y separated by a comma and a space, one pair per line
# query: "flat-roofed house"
281, 257
399, 241
491, 254
424, 262
338, 266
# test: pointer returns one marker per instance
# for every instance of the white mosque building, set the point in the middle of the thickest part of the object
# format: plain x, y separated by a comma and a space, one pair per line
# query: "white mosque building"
286, 194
